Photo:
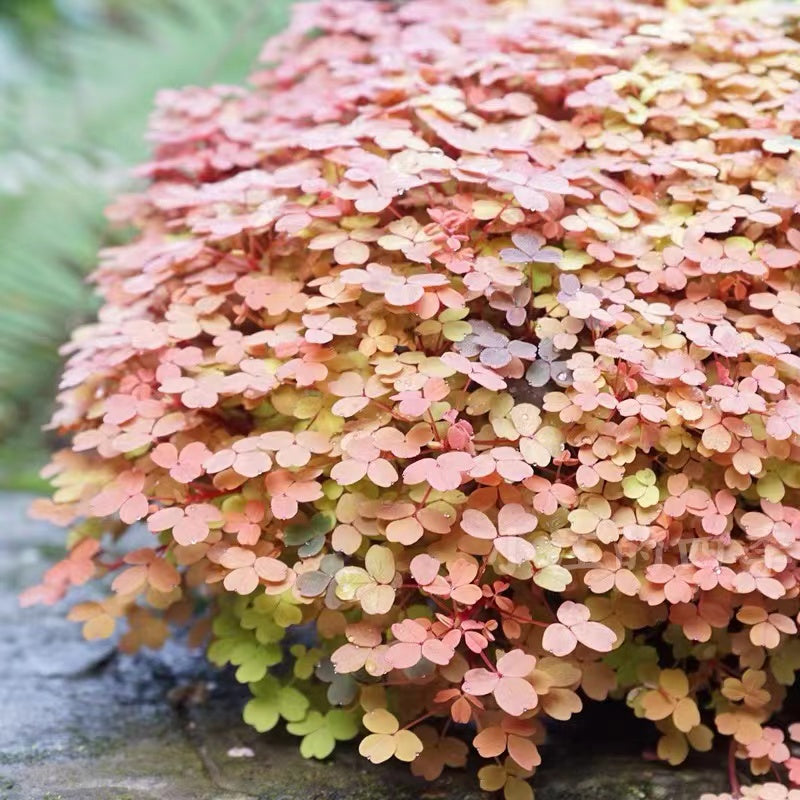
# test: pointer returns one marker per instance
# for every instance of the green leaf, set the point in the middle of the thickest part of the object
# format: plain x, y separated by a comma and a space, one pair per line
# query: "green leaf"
266, 687
554, 578
271, 701
349, 580
320, 734
292, 704
342, 724
379, 562
220, 651
254, 660
318, 744
261, 713
541, 278
641, 488
281, 609
265, 628
320, 523
311, 723
305, 660
573, 260
456, 331
785, 661
287, 614
627, 659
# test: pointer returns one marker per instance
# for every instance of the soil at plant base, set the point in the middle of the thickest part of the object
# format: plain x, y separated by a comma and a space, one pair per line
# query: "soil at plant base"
79, 722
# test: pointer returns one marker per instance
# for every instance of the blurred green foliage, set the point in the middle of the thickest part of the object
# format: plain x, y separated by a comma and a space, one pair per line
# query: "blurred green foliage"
77, 81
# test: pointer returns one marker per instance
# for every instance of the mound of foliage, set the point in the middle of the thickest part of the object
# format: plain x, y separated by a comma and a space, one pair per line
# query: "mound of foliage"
453, 372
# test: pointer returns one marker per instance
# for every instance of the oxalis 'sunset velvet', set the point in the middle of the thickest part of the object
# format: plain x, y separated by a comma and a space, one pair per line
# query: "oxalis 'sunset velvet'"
464, 339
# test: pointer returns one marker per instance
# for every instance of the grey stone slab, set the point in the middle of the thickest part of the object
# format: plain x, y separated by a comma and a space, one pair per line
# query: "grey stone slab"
79, 722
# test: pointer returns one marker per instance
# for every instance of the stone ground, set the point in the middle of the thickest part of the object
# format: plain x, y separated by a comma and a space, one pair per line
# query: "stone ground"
78, 722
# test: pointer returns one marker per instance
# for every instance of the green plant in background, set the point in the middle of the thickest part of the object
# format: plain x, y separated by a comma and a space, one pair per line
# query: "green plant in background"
77, 80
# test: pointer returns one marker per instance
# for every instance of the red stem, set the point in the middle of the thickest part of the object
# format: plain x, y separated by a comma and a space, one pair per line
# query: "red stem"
733, 778
487, 662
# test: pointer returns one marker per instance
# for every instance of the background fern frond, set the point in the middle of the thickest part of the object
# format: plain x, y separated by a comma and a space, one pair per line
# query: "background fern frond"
77, 83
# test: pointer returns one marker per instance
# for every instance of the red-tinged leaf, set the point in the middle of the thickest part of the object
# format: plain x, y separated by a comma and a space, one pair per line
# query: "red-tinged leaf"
480, 681
524, 752
409, 631
595, 635
404, 655
515, 549
134, 509
516, 663
477, 524
424, 568
164, 519
559, 640
405, 531
571, 613
467, 595
130, 581
270, 569
438, 651
515, 696
349, 658
162, 576
514, 520
242, 581
490, 742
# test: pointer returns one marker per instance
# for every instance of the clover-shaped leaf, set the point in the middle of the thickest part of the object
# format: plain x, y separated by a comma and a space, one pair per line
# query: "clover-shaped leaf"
670, 699
641, 487
573, 626
512, 692
387, 739
321, 732
272, 701
513, 522
371, 586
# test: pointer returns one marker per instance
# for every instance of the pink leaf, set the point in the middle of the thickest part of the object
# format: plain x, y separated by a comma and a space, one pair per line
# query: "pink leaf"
515, 549
480, 681
515, 696
516, 663
571, 613
595, 635
403, 655
514, 520
559, 640
424, 568
477, 524
134, 509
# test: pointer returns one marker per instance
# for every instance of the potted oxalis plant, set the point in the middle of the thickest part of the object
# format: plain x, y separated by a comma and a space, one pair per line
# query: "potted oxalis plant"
464, 340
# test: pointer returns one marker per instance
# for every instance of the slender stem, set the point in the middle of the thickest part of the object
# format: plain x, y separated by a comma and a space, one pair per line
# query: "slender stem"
733, 778
525, 621
418, 720
487, 662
